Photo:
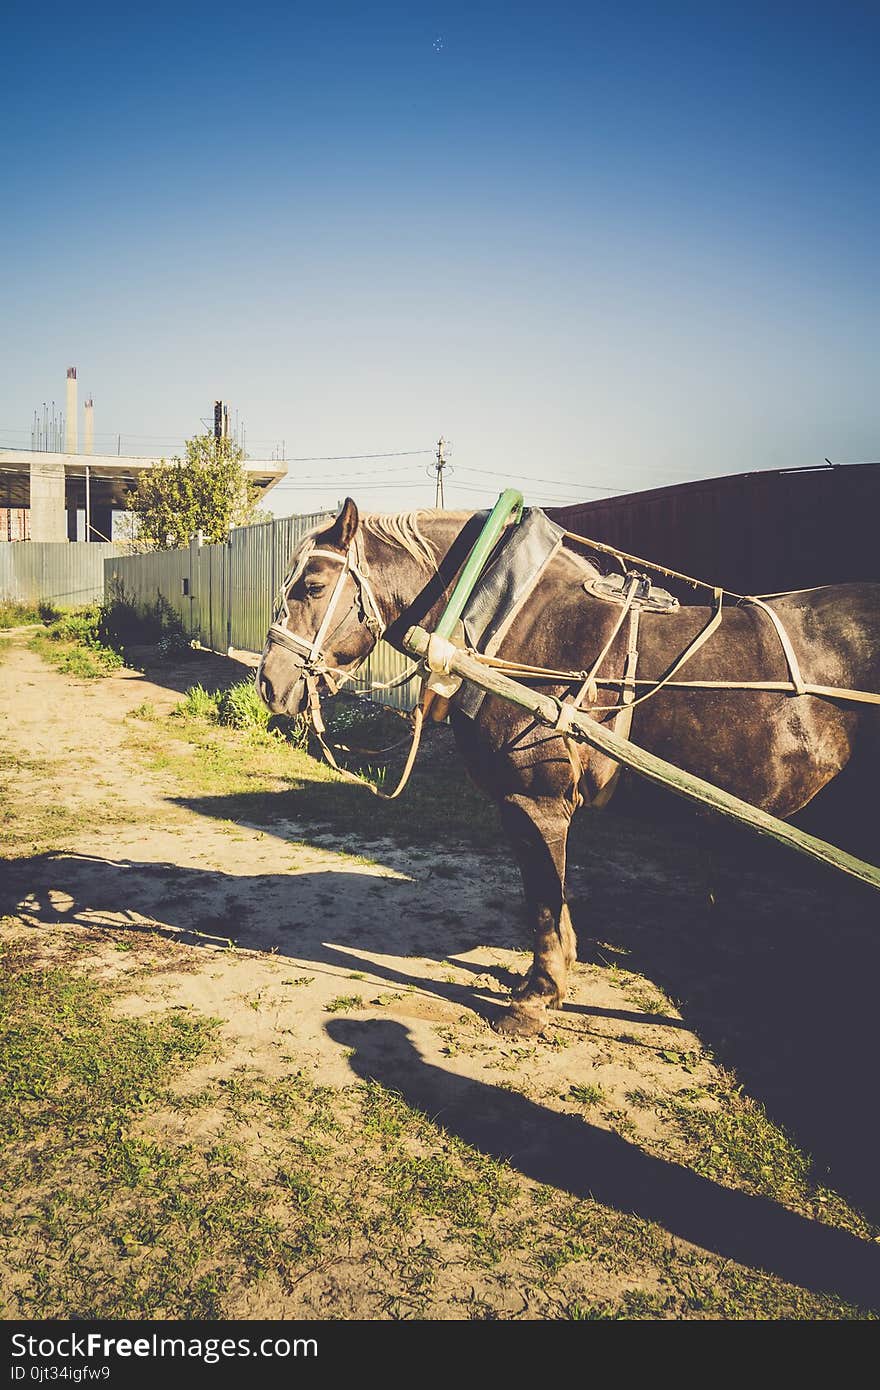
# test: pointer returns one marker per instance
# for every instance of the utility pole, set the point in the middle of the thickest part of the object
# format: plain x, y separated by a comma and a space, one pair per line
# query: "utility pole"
438, 468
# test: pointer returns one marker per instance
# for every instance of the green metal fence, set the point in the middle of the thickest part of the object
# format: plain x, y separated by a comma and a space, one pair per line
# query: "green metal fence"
63, 572
224, 594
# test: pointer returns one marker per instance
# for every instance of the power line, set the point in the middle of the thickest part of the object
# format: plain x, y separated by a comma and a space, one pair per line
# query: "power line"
342, 458
551, 482
552, 501
303, 478
337, 483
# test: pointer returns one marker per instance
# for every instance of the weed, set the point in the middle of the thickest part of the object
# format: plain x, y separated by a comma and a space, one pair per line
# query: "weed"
86, 660
587, 1096
15, 614
199, 703
343, 1002
145, 710
242, 708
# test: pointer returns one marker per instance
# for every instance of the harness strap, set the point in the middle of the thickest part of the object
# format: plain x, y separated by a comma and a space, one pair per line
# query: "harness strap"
632, 589
797, 679
418, 722
628, 680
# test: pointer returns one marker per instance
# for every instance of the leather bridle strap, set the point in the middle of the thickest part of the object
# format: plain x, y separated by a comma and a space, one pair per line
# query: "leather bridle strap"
311, 650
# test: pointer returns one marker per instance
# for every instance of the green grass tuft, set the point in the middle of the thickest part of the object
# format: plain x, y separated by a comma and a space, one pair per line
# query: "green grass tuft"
15, 614
199, 703
240, 707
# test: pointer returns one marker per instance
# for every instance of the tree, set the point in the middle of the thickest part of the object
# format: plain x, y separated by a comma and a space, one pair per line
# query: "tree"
208, 491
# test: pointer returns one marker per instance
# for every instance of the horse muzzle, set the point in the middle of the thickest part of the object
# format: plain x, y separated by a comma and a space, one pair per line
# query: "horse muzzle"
285, 696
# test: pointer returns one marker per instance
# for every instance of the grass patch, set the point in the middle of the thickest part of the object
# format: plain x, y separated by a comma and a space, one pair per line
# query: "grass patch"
253, 775
240, 707
733, 1141
75, 643
72, 658
343, 1003
93, 640
14, 614
125, 1191
587, 1096
145, 710
199, 703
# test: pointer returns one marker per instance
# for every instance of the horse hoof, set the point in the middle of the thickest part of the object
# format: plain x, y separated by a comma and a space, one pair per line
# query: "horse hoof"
519, 1022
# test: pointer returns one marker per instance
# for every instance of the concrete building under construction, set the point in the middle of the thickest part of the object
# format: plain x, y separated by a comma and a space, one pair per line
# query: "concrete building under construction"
43, 489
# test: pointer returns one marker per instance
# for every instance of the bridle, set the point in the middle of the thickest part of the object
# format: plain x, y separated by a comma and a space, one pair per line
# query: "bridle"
310, 651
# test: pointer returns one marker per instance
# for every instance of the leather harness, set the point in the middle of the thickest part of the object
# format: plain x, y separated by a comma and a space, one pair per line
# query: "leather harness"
633, 591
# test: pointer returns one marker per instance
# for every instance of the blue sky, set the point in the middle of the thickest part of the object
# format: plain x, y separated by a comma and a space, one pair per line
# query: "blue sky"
601, 247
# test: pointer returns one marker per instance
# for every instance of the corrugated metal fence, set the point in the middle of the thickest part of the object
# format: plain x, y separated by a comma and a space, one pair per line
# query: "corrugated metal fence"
63, 572
225, 594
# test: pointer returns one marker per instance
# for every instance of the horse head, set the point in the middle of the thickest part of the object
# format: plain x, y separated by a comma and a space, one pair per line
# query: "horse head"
326, 621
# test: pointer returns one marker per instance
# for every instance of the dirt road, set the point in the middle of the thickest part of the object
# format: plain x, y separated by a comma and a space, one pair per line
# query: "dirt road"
353, 958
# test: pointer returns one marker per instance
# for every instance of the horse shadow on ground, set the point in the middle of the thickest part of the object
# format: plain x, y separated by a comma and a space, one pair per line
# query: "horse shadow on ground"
336, 922
777, 972
773, 961
565, 1152
793, 1015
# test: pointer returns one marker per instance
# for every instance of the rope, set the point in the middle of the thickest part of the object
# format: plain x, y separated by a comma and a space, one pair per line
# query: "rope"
418, 723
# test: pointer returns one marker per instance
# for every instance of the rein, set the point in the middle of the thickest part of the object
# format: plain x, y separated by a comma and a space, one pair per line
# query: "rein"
315, 668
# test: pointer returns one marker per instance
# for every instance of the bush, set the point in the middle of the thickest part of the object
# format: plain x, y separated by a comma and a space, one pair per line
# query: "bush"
78, 625
83, 628
127, 623
173, 644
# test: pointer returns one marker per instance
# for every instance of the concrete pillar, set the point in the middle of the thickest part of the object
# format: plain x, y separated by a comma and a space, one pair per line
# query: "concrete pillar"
48, 516
89, 426
71, 432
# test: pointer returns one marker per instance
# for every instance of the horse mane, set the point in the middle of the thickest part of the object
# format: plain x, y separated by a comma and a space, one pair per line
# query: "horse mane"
403, 529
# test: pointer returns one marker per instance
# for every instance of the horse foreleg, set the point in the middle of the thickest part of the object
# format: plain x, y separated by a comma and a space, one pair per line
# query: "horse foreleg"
538, 832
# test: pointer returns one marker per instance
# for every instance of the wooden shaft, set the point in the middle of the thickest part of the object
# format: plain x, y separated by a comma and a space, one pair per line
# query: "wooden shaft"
581, 726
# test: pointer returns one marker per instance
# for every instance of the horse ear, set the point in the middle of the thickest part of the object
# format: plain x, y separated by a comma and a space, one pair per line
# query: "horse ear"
343, 530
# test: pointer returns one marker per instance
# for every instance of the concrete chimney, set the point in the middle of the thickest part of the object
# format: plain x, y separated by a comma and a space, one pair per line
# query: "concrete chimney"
70, 423
89, 420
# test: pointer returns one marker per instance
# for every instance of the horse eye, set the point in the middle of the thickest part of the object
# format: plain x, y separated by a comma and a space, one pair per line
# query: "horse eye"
314, 590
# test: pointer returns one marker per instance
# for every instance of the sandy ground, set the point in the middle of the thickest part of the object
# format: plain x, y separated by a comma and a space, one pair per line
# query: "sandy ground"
279, 922
356, 958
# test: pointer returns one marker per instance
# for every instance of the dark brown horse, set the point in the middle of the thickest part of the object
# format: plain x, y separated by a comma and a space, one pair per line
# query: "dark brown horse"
361, 577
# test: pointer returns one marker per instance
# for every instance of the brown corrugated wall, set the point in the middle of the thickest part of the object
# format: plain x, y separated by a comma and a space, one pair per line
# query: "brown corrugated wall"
752, 532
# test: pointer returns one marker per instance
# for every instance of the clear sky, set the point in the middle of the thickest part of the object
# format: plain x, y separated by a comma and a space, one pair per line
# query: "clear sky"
601, 247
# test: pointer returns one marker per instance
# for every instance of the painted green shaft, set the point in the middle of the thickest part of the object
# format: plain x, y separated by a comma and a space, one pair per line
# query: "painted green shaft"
510, 501
655, 769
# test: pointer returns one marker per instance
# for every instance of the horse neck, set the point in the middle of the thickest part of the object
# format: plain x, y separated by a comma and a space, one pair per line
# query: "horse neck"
406, 590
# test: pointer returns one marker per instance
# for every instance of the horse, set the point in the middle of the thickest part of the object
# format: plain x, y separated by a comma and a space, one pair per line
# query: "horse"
361, 578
